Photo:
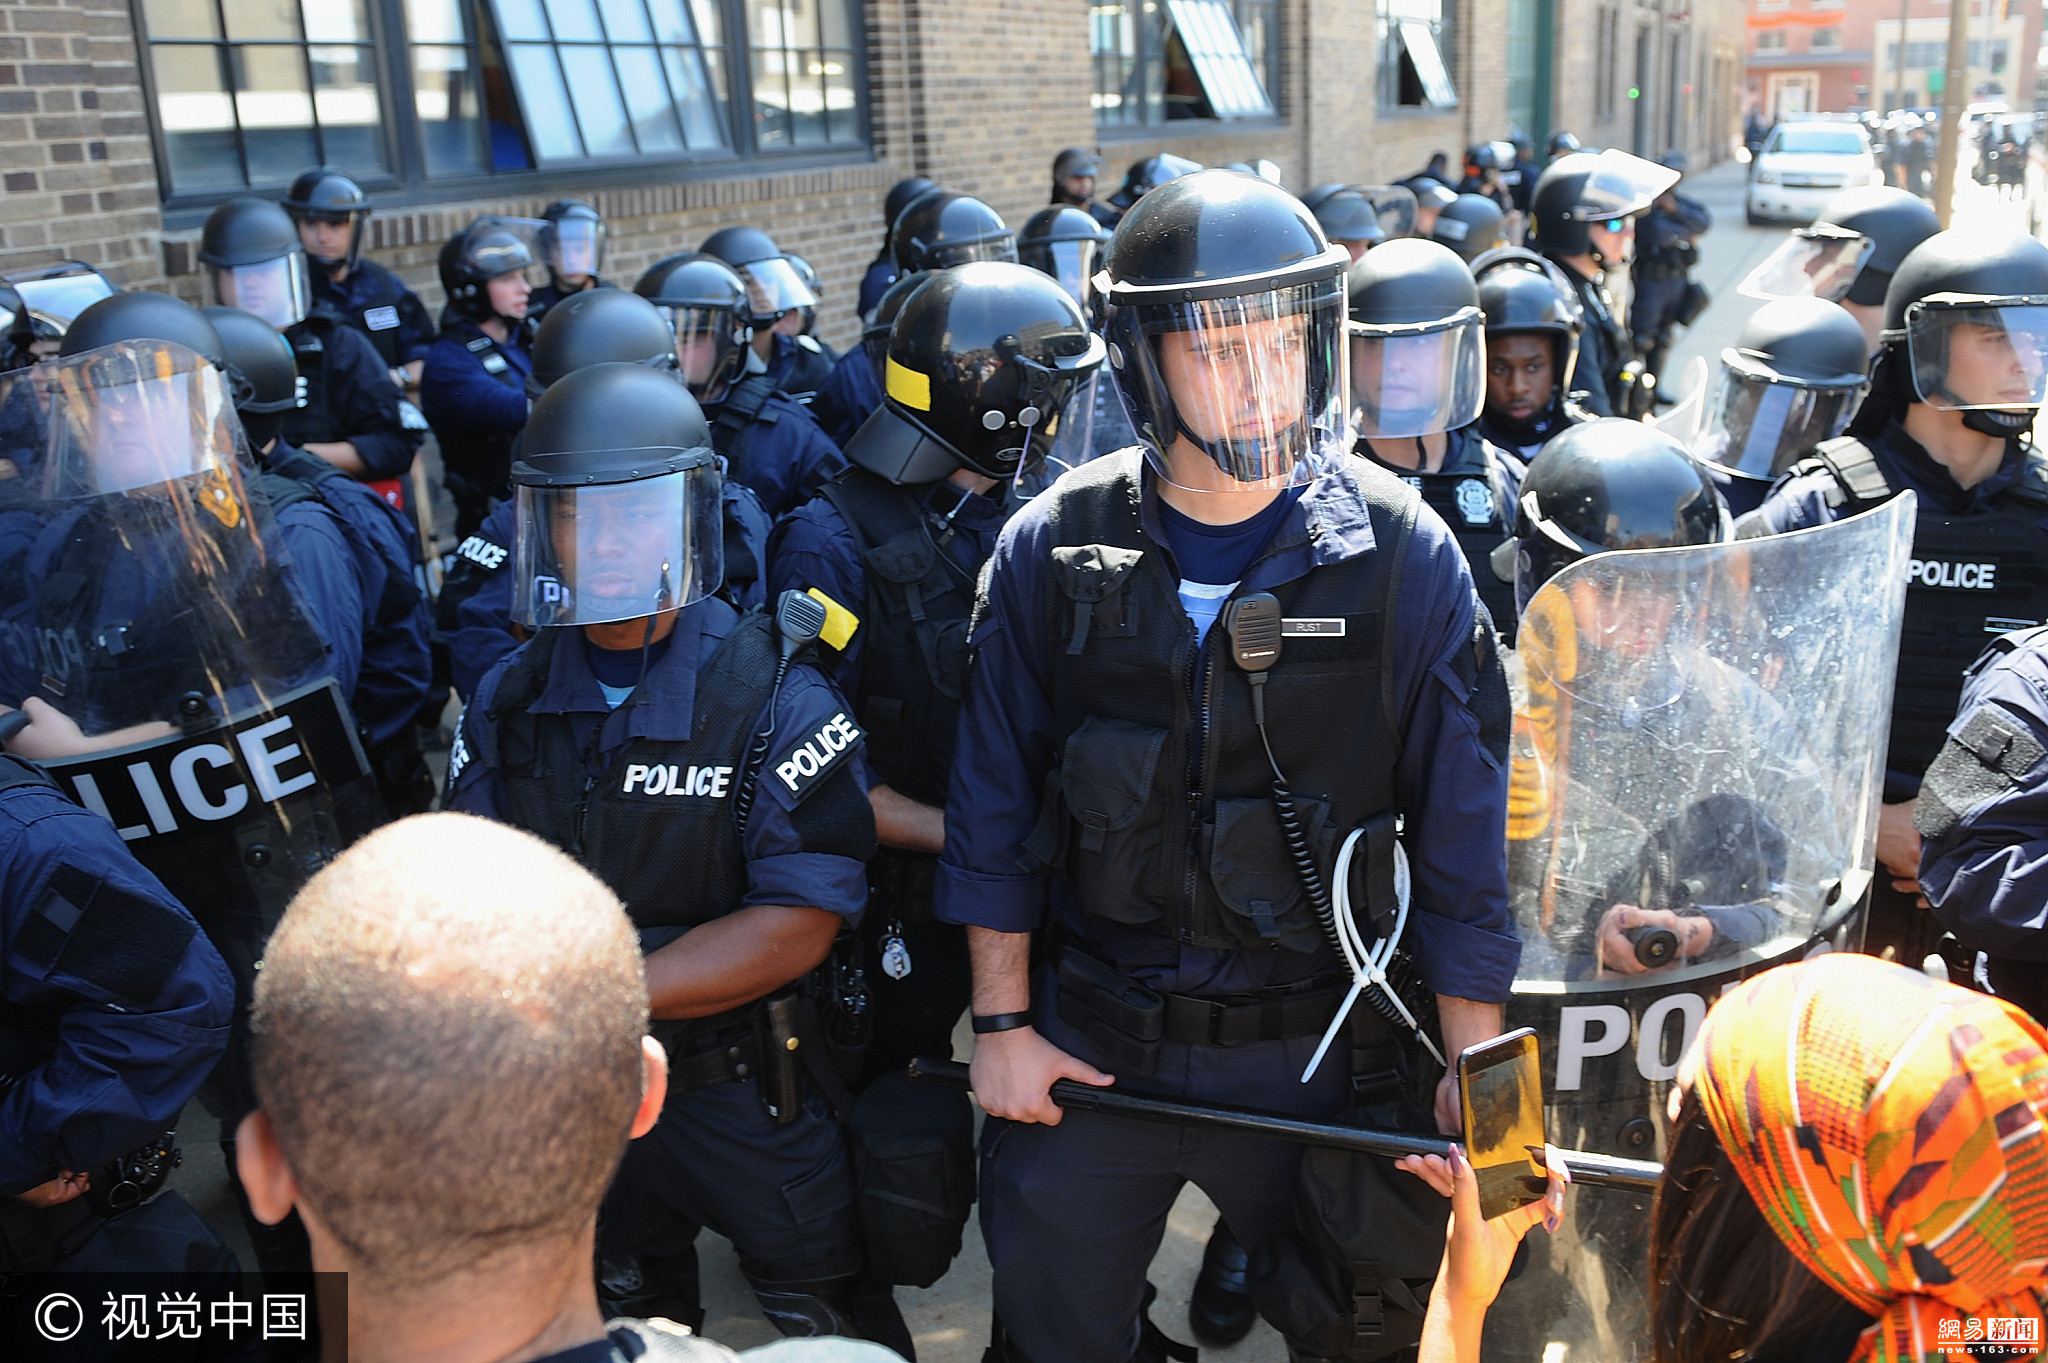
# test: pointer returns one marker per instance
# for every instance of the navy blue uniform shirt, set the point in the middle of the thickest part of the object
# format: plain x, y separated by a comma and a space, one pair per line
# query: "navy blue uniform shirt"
122, 1067
457, 391
1987, 877
1800, 501
849, 397
779, 869
376, 301
787, 456
881, 274
337, 588
361, 400
1451, 790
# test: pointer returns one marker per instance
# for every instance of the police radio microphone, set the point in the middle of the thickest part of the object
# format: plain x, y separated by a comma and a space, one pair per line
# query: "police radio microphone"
799, 620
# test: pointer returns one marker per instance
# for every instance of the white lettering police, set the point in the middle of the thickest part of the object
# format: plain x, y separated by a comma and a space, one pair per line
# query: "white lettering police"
266, 750
674, 779
1589, 1031
1973, 577
817, 753
485, 554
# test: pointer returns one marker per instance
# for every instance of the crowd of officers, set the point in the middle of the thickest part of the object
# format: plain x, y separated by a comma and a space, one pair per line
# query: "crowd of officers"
894, 685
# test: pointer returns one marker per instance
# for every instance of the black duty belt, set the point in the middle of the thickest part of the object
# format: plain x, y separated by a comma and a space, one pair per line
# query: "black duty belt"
728, 1064
1279, 1014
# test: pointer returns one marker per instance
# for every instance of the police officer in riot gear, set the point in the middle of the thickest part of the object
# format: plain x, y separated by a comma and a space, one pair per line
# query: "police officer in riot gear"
900, 538
946, 228
1791, 380
1418, 356
1347, 217
768, 440
1532, 351
1147, 175
1074, 173
802, 323
1057, 241
1848, 254
1560, 145
571, 244
40, 304
179, 684
1583, 214
602, 326
854, 391
1520, 174
1485, 163
1432, 196
713, 779
1113, 632
1663, 296
474, 388
393, 623
798, 364
350, 414
882, 271
1471, 225
332, 214
1952, 397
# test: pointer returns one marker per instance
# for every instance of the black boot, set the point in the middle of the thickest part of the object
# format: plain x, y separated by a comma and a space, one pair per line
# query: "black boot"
851, 1307
1154, 1344
1220, 1308
646, 1287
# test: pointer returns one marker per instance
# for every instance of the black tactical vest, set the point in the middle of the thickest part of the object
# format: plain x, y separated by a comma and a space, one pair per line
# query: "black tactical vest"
914, 660
314, 477
385, 305
1161, 812
1972, 578
810, 364
733, 421
313, 420
655, 820
1475, 506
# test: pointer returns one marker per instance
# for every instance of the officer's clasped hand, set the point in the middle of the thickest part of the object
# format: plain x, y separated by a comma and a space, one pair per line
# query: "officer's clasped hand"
1013, 1073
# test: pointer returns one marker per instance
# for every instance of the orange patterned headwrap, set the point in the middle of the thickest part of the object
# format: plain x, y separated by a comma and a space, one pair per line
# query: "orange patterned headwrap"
1890, 1129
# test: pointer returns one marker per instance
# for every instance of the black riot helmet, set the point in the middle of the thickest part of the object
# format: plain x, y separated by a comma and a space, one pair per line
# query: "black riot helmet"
143, 317
1610, 484
1147, 175
1064, 242
1521, 294
1966, 328
573, 239
1417, 341
1226, 322
1561, 143
874, 338
258, 352
1791, 380
706, 304
1431, 194
1894, 220
810, 280
945, 229
1485, 156
616, 492
983, 359
772, 283
472, 258
1396, 206
902, 195
324, 194
1071, 162
42, 301
601, 326
1472, 225
254, 261
1346, 216
1585, 188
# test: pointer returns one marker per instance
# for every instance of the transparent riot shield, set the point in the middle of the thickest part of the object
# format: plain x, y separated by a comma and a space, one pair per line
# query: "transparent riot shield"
1698, 759
155, 652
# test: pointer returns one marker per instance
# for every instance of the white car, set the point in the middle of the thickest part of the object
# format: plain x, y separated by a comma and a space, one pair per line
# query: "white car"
1803, 165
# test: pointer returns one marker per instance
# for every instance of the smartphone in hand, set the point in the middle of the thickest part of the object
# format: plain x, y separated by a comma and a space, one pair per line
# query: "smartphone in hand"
1500, 1088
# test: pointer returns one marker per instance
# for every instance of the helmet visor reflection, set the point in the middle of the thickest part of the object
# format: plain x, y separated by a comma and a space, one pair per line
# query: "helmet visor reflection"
1408, 381
1072, 262
707, 346
1760, 425
1979, 354
774, 287
1619, 185
1819, 262
1003, 247
576, 246
55, 301
278, 290
595, 553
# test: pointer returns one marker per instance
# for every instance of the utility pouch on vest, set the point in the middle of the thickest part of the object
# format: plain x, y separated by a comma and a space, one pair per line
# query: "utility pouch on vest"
1122, 1018
1254, 873
1099, 823
1092, 576
781, 1030
913, 1175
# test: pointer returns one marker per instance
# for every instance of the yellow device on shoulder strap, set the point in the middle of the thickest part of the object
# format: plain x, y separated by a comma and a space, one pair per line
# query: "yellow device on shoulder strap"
840, 623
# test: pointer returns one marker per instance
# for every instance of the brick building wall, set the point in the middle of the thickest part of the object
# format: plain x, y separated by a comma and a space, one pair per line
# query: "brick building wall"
978, 94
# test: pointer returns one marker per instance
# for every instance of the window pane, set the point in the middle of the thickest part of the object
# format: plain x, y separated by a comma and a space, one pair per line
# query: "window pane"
654, 119
198, 117
337, 21
434, 21
842, 105
625, 21
248, 19
702, 112
181, 18
771, 100
575, 21
546, 103
789, 23
522, 19
806, 98
276, 111
598, 107
671, 21
345, 99
444, 96
710, 25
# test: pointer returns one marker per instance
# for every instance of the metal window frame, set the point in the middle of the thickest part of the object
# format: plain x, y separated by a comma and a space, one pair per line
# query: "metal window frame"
1418, 31
1215, 63
1146, 54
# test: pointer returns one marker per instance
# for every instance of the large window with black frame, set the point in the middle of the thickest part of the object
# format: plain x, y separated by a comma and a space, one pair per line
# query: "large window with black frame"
1160, 61
1415, 48
425, 94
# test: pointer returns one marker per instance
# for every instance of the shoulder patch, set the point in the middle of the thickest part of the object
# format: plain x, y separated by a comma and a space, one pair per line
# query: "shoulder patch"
803, 767
478, 345
380, 319
125, 943
486, 554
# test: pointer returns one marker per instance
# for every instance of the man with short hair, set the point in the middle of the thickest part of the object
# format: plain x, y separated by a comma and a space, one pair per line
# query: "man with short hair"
439, 966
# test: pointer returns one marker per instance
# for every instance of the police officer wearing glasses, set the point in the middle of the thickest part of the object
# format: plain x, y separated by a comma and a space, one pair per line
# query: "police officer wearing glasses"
1199, 667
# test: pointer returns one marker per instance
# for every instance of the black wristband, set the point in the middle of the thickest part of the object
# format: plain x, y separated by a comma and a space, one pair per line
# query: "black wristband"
1001, 1022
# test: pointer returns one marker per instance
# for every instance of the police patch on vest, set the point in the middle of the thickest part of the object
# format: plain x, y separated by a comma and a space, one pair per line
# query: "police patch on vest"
1475, 502
485, 554
803, 769
380, 319
1971, 577
672, 780
494, 364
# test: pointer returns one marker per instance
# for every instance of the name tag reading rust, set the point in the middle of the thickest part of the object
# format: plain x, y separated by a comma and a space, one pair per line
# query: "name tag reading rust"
1327, 627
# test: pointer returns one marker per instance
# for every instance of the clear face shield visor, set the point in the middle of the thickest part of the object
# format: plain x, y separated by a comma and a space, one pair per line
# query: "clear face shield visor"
55, 299
1761, 423
1972, 354
1000, 247
774, 287
1620, 185
1418, 380
279, 291
708, 345
1814, 262
134, 416
593, 553
1072, 263
574, 246
1396, 208
1237, 393
502, 246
